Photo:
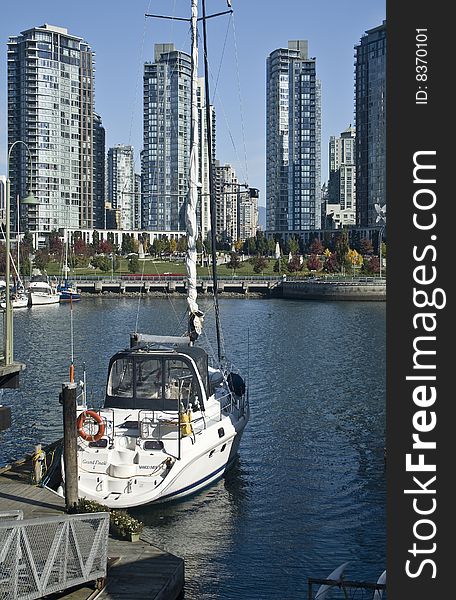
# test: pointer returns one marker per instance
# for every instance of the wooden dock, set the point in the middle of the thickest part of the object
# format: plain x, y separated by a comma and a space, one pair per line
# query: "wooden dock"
136, 569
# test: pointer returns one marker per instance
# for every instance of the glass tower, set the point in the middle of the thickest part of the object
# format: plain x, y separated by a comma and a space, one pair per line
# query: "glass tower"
370, 113
166, 154
50, 108
293, 140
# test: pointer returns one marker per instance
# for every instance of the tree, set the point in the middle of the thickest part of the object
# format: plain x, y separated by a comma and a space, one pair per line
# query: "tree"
55, 243
259, 263
316, 247
331, 264
95, 240
271, 247
366, 246
238, 245
372, 265
133, 264
41, 259
314, 263
342, 247
182, 245
354, 258
127, 244
281, 265
172, 246
79, 246
294, 264
293, 246
234, 261
105, 247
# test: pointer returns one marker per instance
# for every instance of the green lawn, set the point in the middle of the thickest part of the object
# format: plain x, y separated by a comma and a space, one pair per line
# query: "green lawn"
155, 267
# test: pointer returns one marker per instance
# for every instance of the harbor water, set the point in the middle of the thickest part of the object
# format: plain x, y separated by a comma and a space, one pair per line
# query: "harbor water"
308, 490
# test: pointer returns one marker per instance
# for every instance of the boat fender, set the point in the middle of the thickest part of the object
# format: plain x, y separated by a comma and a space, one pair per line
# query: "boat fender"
186, 423
95, 417
236, 384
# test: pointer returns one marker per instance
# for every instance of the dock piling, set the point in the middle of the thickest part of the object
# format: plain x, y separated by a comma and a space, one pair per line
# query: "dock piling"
70, 446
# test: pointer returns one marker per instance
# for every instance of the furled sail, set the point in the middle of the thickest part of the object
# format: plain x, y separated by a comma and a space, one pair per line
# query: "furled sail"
195, 315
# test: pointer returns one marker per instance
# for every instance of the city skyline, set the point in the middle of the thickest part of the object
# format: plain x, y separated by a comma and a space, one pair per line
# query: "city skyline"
115, 96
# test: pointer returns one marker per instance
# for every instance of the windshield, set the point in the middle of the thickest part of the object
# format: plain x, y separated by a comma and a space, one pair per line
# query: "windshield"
154, 383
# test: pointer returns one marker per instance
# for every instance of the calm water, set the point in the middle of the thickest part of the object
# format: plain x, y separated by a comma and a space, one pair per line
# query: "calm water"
308, 491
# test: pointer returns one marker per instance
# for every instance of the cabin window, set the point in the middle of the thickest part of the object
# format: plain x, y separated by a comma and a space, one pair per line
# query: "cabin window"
149, 379
120, 382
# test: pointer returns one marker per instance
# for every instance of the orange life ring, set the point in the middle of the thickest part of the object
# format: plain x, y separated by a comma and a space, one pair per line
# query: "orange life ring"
80, 425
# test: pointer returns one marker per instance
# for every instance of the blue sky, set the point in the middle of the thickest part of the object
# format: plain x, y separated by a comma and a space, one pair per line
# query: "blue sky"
123, 39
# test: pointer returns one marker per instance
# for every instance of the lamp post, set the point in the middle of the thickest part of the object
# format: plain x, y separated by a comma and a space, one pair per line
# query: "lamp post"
29, 200
381, 217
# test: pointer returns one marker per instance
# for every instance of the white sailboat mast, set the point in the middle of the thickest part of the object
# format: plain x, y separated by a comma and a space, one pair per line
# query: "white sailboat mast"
195, 316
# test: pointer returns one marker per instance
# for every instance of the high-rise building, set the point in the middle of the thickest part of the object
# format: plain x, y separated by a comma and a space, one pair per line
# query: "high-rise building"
293, 139
370, 113
50, 108
341, 197
226, 202
2, 198
166, 154
121, 184
165, 160
99, 173
248, 214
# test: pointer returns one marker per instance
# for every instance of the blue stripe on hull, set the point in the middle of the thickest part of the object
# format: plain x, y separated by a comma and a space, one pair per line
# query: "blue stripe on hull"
221, 471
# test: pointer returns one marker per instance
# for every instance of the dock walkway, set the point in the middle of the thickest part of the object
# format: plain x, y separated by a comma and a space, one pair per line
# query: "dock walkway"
134, 569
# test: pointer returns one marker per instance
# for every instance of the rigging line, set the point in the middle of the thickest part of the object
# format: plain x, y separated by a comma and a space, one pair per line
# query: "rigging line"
222, 106
240, 99
221, 59
211, 189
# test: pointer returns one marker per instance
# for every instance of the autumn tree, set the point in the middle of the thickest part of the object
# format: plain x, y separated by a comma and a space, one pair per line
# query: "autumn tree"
294, 264
366, 246
105, 247
331, 264
172, 245
313, 263
316, 247
371, 266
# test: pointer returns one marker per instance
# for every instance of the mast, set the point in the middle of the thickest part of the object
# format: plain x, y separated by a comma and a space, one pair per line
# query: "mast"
195, 320
211, 189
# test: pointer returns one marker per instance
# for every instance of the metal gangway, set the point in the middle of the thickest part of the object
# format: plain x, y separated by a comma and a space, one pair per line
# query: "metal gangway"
45, 555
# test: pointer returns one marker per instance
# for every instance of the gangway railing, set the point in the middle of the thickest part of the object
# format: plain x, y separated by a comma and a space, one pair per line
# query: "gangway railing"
46, 555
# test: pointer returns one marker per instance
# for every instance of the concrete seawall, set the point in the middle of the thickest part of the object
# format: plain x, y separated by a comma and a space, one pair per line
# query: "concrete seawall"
335, 290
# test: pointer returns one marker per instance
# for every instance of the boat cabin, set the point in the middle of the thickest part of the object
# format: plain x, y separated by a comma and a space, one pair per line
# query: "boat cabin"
158, 379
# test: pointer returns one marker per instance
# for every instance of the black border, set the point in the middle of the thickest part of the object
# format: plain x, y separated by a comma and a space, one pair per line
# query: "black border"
411, 128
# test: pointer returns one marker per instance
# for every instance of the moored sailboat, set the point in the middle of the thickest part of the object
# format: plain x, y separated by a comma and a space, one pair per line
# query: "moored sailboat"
171, 424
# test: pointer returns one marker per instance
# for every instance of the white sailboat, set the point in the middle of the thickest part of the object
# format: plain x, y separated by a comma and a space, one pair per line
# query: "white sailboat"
170, 424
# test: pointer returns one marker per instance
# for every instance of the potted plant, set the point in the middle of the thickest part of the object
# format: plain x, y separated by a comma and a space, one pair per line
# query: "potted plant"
121, 524
125, 526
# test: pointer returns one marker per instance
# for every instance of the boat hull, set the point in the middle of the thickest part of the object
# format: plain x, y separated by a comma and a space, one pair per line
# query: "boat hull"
38, 299
201, 465
17, 303
66, 296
